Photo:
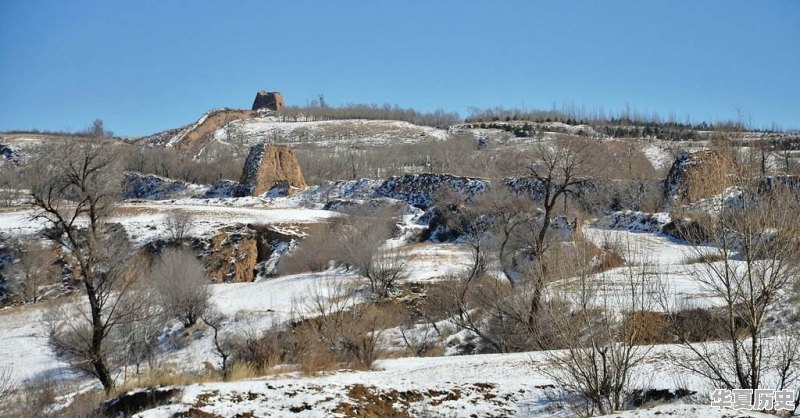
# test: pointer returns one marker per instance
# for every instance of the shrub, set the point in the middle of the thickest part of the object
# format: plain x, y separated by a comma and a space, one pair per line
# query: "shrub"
182, 284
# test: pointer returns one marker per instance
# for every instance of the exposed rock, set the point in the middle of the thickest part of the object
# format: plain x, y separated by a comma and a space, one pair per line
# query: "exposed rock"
243, 253
635, 221
686, 230
370, 206
268, 100
452, 225
419, 189
194, 138
222, 188
340, 190
150, 186
139, 400
267, 166
9, 155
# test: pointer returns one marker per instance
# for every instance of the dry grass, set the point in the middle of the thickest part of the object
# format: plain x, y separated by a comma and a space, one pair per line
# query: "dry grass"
163, 376
704, 258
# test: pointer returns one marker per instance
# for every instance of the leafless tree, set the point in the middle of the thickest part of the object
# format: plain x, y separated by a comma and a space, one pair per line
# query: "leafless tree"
71, 332
560, 169
11, 185
348, 327
183, 285
222, 345
77, 185
361, 245
179, 225
315, 252
140, 339
752, 269
34, 270
600, 344
386, 270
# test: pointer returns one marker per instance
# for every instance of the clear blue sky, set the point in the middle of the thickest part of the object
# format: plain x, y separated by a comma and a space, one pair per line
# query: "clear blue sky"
147, 65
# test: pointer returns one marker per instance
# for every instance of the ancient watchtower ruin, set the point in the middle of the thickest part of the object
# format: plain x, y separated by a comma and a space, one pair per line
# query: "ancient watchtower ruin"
269, 100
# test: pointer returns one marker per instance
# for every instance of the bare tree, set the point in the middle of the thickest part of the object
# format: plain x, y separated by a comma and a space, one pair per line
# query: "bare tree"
315, 252
752, 270
600, 346
183, 285
222, 346
385, 272
71, 329
348, 327
75, 191
179, 224
11, 185
361, 246
34, 270
140, 340
560, 169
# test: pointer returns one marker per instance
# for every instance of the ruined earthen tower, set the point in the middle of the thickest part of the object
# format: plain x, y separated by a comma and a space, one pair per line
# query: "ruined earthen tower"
269, 100
269, 166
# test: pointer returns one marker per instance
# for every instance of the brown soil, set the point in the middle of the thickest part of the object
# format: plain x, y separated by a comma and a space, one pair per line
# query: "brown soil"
201, 135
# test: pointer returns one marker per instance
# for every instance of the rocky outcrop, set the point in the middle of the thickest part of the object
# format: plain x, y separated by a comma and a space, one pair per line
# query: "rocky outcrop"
635, 221
270, 166
150, 186
420, 189
9, 155
221, 188
370, 206
242, 253
268, 100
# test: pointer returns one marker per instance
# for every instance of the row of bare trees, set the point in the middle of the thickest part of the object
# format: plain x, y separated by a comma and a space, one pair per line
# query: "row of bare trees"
319, 111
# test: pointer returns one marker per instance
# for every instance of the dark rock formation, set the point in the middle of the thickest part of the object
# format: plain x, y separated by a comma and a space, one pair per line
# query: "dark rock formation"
150, 186
419, 189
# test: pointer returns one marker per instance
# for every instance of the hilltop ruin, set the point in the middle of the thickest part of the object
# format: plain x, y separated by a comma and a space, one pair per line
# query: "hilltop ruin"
271, 100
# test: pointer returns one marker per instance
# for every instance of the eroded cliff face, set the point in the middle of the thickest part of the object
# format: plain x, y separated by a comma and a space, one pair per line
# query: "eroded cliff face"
270, 166
242, 253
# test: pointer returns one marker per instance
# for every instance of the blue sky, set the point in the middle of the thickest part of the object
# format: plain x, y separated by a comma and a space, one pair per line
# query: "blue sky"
148, 65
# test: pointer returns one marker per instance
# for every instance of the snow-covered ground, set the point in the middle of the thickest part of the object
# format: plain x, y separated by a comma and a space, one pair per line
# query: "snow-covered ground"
666, 264
253, 306
479, 385
658, 155
23, 345
145, 222
326, 133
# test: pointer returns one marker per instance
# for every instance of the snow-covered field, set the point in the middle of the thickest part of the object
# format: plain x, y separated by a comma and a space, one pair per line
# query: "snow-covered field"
326, 133
478, 385
23, 345
145, 222
658, 155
